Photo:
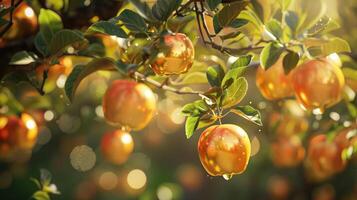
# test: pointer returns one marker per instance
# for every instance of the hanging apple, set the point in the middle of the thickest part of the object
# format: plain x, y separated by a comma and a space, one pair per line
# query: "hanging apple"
224, 150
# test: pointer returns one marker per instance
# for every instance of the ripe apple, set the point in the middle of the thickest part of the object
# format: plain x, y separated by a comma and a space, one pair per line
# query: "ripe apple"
323, 158
174, 54
273, 83
224, 150
129, 104
288, 125
24, 23
318, 84
17, 134
287, 151
117, 146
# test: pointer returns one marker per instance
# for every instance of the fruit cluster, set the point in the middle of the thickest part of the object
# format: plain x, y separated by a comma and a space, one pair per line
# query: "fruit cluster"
317, 84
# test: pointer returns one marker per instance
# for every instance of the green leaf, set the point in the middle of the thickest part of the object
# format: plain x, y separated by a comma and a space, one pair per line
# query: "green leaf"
193, 78
163, 9
290, 61
248, 113
41, 195
242, 61
215, 75
319, 26
216, 26
275, 28
235, 92
252, 18
65, 38
50, 23
212, 4
144, 9
196, 108
260, 9
292, 20
350, 73
312, 12
347, 153
82, 71
352, 109
9, 100
230, 11
41, 45
23, 58
191, 125
206, 120
93, 50
45, 177
232, 75
335, 45
107, 28
37, 182
270, 54
133, 21
237, 23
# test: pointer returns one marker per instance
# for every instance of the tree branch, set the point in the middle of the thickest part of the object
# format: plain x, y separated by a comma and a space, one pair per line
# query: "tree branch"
12, 9
142, 77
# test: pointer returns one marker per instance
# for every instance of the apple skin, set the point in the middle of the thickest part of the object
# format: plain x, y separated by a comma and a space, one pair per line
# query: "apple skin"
17, 134
129, 104
318, 84
175, 54
117, 146
25, 23
324, 158
224, 150
287, 151
273, 83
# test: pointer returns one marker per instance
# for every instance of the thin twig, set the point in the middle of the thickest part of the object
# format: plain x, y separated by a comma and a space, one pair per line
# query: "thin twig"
142, 77
204, 22
199, 22
45, 75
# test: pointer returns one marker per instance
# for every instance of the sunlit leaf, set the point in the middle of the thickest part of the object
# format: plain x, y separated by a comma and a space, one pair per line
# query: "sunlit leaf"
41, 195
107, 28
191, 125
335, 45
23, 58
235, 92
230, 11
275, 28
232, 75
215, 75
133, 21
196, 108
270, 54
82, 71
242, 61
248, 113
50, 23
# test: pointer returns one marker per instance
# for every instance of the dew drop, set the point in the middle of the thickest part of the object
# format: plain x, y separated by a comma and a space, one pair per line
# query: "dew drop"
227, 177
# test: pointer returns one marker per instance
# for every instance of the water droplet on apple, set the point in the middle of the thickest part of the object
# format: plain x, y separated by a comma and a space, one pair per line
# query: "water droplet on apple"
227, 177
